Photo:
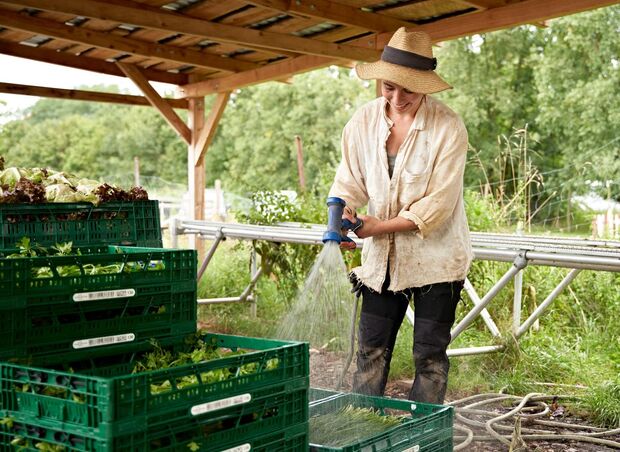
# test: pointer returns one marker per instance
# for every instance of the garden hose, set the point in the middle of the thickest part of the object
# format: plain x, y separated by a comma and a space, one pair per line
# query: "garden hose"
469, 407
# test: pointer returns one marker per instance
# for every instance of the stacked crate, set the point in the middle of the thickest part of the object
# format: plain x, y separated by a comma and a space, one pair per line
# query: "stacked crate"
424, 428
71, 344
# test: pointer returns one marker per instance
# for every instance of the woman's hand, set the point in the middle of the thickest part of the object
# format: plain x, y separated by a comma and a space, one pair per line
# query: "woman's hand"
348, 214
369, 228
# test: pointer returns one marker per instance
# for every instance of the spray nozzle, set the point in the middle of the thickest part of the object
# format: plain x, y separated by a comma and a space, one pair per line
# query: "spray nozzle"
335, 223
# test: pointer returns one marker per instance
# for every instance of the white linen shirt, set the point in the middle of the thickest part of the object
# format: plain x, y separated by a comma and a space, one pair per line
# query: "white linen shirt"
426, 188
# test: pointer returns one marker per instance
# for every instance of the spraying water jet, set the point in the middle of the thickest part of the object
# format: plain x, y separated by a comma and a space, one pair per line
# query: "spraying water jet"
324, 312
336, 233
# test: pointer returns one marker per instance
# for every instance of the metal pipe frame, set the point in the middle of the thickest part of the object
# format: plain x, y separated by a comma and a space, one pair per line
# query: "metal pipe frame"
522, 251
521, 329
246, 295
519, 263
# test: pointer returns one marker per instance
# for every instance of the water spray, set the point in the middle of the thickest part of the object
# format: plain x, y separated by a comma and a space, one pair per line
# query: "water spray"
337, 232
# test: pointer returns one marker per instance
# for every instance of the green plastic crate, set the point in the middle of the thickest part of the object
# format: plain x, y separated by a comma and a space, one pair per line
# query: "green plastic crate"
43, 333
115, 223
112, 401
86, 314
141, 268
164, 438
426, 427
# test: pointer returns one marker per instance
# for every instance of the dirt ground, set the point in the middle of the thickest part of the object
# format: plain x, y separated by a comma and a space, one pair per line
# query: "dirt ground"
326, 368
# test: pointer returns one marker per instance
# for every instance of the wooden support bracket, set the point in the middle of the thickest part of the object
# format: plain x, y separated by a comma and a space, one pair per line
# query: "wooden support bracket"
133, 73
208, 131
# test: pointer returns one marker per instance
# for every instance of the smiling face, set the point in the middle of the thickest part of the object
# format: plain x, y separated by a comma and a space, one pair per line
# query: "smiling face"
401, 100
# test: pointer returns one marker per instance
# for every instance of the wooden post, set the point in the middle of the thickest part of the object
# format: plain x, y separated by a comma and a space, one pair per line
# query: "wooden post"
203, 131
300, 163
195, 169
136, 171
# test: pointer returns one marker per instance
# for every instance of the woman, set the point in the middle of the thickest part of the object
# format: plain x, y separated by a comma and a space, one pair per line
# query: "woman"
403, 155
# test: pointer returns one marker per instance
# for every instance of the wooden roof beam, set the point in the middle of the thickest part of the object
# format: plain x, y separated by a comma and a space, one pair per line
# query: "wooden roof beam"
336, 12
150, 17
210, 127
74, 94
529, 11
25, 22
483, 4
133, 73
271, 72
275, 71
83, 62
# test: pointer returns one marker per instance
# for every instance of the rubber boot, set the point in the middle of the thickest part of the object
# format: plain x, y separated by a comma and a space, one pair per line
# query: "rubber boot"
430, 342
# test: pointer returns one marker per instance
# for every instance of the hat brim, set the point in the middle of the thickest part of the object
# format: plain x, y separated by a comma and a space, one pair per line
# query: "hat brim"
424, 82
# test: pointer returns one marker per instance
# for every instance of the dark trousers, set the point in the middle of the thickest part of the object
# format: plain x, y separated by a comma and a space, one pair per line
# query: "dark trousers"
381, 317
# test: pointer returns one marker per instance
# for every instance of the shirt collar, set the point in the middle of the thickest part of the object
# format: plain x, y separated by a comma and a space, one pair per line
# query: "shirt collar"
419, 122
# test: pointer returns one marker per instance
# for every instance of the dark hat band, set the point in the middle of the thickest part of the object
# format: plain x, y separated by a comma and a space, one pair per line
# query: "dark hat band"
408, 59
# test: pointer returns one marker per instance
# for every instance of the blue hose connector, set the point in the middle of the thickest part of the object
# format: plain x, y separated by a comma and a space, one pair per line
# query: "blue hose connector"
335, 208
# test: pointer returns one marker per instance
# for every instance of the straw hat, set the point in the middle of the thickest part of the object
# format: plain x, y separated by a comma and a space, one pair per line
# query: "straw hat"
408, 61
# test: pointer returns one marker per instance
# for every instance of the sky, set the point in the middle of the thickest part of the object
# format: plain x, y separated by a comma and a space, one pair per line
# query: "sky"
29, 72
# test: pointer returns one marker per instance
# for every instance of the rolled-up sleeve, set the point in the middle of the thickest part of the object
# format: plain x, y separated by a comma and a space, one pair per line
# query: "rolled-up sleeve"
349, 181
445, 184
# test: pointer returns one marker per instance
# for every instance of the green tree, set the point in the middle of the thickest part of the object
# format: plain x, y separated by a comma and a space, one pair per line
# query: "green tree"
578, 84
254, 147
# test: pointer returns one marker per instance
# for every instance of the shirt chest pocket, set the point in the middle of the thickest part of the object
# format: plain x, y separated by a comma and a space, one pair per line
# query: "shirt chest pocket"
412, 187
415, 175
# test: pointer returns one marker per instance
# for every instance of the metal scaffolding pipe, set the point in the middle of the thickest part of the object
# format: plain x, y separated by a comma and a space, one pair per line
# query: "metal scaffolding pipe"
518, 264
517, 300
218, 238
474, 350
473, 296
588, 256
552, 296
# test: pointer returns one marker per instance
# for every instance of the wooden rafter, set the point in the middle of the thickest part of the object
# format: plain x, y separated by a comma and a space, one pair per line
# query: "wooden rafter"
157, 101
529, 11
336, 12
74, 94
271, 72
83, 62
526, 12
483, 4
24, 22
156, 18
208, 130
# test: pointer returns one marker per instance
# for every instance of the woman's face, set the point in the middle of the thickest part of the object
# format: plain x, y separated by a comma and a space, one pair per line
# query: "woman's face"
401, 100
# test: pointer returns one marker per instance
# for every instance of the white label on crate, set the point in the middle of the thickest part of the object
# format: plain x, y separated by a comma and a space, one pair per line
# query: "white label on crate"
242, 448
219, 404
412, 449
105, 340
103, 295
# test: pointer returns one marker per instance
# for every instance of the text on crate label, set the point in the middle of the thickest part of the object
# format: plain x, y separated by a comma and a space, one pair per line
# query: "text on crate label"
220, 404
103, 295
242, 448
105, 340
